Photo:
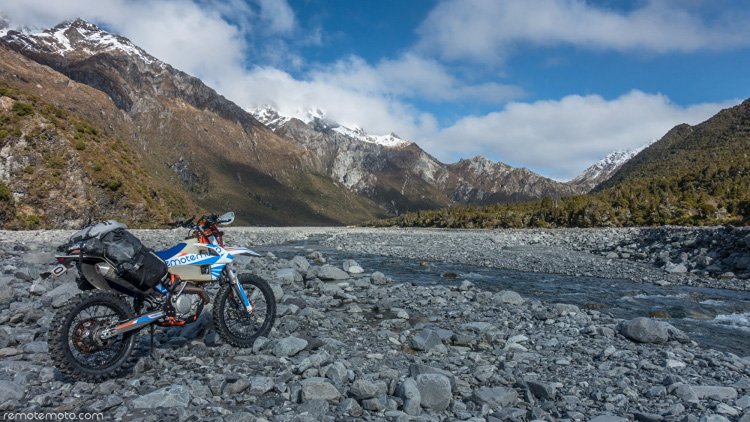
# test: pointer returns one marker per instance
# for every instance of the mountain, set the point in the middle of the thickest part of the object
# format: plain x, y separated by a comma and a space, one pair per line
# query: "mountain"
270, 169
188, 135
397, 173
603, 169
693, 175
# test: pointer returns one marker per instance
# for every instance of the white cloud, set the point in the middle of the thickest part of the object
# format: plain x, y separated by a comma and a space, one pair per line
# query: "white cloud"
278, 15
561, 138
411, 75
378, 114
485, 31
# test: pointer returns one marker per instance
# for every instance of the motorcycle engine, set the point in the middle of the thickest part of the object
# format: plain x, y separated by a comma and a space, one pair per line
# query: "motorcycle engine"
185, 305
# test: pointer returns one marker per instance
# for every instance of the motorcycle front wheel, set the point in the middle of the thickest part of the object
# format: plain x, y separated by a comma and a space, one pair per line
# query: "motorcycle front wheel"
75, 346
233, 323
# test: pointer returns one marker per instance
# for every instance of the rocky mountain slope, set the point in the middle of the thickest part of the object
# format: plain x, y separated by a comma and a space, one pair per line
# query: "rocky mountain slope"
189, 136
399, 174
694, 175
603, 169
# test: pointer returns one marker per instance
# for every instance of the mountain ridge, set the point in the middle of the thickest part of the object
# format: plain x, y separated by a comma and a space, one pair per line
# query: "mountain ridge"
279, 170
474, 180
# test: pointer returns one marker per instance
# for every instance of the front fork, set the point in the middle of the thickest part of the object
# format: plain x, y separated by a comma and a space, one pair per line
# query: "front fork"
239, 291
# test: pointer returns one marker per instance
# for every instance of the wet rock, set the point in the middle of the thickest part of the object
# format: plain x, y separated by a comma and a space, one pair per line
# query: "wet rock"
352, 267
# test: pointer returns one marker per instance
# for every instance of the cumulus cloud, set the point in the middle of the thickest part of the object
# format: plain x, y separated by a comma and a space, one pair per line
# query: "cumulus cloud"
560, 138
293, 97
411, 75
486, 30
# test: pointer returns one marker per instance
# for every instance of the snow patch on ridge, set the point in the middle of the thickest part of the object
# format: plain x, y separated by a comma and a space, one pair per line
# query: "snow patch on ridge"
607, 166
316, 117
77, 36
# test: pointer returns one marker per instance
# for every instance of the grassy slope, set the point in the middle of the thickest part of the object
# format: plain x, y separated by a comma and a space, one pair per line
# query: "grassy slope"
60, 167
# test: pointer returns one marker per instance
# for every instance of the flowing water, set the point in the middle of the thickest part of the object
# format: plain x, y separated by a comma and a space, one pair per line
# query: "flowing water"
715, 318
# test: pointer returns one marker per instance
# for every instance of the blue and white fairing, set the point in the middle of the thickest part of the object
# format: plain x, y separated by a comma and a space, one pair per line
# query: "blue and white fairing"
200, 261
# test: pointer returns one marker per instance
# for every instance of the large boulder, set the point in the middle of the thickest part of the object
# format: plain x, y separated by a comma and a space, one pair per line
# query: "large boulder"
510, 297
645, 330
366, 389
289, 346
409, 393
434, 391
352, 267
317, 388
425, 340
329, 272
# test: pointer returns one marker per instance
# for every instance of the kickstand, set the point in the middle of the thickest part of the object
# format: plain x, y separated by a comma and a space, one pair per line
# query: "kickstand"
151, 344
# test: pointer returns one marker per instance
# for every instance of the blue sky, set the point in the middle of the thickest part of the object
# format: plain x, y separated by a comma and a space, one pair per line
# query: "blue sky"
552, 85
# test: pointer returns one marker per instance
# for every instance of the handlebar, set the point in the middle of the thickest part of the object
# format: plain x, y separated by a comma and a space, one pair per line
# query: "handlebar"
206, 220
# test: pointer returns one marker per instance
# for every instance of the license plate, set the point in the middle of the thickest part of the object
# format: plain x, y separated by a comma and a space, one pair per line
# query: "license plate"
59, 270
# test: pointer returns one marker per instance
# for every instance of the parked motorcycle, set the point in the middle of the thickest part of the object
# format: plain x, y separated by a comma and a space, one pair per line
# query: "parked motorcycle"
129, 287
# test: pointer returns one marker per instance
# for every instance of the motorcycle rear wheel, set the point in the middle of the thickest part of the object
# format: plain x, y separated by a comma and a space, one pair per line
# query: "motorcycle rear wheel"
74, 347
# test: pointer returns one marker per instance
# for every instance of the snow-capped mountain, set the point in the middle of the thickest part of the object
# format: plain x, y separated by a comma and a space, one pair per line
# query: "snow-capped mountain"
318, 119
604, 168
398, 173
75, 37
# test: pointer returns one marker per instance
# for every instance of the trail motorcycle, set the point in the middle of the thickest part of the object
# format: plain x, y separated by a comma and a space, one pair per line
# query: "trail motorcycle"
131, 287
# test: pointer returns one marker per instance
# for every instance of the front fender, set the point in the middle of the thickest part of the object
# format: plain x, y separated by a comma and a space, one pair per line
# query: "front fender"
243, 251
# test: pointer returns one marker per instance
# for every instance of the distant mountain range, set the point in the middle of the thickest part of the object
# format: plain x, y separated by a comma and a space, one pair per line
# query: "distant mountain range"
210, 153
693, 175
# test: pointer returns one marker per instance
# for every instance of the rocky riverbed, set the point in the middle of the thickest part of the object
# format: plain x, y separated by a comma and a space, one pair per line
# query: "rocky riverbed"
352, 343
